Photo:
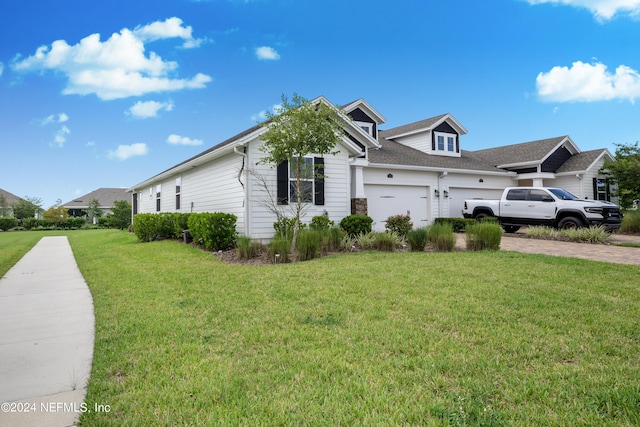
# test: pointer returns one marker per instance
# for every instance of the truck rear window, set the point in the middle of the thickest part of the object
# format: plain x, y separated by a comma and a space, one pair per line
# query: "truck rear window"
517, 194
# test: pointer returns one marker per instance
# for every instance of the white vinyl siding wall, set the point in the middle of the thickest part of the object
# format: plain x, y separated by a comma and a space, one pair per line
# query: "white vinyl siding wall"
336, 190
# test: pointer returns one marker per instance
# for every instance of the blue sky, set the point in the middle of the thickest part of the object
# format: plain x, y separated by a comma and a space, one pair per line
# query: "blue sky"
107, 94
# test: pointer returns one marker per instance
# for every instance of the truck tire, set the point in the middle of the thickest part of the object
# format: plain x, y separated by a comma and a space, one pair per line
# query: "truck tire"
569, 222
481, 216
511, 228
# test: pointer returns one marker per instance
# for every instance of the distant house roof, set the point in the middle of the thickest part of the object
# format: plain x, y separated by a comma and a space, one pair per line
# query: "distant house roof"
105, 196
526, 152
9, 197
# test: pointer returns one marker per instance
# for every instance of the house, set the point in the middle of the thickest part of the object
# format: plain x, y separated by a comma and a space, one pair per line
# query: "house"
6, 200
420, 169
106, 198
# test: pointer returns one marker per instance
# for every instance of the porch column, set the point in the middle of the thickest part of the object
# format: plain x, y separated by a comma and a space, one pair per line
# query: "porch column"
358, 197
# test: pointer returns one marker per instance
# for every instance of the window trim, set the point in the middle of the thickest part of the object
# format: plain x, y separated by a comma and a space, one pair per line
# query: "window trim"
449, 140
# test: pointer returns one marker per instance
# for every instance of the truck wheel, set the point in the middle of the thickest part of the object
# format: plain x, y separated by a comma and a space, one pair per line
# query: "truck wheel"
510, 228
480, 217
569, 222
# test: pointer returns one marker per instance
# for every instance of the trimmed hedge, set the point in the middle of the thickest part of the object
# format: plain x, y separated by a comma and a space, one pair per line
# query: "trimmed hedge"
355, 225
7, 223
400, 224
215, 231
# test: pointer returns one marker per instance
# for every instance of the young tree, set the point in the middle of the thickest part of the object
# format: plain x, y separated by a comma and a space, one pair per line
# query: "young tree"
297, 129
121, 217
625, 171
56, 213
93, 210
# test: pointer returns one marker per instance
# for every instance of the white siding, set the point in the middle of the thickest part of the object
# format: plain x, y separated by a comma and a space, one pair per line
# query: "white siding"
336, 185
211, 187
420, 141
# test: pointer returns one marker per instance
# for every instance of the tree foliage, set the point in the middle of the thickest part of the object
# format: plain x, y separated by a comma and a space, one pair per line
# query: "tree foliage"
625, 171
121, 217
56, 213
27, 207
299, 128
93, 210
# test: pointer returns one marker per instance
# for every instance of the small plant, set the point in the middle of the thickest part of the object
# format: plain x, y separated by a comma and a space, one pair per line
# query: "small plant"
284, 227
348, 243
247, 248
483, 236
417, 239
308, 244
441, 237
631, 222
278, 249
366, 241
331, 239
588, 235
459, 224
321, 223
541, 232
400, 224
385, 241
356, 224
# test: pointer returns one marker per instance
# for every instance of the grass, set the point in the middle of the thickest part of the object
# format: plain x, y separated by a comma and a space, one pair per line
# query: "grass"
464, 338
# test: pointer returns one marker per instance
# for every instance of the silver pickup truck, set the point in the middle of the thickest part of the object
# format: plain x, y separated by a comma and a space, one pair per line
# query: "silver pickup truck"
553, 207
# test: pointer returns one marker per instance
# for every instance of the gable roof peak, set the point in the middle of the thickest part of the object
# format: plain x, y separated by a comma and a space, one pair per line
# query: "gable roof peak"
424, 125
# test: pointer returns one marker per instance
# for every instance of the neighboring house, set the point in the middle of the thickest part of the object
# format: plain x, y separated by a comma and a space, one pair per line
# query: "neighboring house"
6, 200
106, 198
419, 169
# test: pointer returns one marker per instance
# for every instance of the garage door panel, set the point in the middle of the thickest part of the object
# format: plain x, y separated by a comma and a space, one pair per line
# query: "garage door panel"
457, 196
387, 200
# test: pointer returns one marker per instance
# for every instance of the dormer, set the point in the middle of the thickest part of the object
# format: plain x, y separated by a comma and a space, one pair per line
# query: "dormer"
365, 116
438, 135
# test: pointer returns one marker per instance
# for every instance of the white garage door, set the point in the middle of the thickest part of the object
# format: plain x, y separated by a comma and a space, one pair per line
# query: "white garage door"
387, 200
457, 197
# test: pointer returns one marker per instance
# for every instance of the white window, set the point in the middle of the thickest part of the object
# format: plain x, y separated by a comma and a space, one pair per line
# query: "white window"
178, 190
365, 126
306, 182
158, 189
446, 143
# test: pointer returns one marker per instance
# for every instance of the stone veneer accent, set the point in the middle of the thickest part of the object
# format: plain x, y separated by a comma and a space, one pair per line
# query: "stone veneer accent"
359, 207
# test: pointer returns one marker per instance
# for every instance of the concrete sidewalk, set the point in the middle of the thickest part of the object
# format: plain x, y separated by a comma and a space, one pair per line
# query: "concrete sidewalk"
46, 338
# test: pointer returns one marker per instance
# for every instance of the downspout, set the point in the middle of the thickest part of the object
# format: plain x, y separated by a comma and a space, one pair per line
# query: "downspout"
580, 178
245, 201
441, 191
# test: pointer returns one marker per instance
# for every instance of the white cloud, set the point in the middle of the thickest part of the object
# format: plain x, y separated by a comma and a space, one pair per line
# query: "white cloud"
267, 53
1, 68
117, 67
123, 152
263, 115
60, 136
146, 109
588, 82
602, 9
54, 118
182, 140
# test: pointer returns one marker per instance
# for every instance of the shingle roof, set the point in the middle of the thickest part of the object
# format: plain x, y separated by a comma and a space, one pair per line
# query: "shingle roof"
422, 124
520, 153
394, 153
9, 197
581, 161
106, 197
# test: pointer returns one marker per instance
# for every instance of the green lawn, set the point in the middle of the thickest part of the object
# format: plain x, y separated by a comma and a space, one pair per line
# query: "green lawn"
478, 338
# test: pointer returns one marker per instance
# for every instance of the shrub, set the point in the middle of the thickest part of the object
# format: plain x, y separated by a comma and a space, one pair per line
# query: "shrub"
348, 242
400, 224
366, 241
321, 223
541, 232
279, 246
215, 231
417, 239
331, 239
356, 224
30, 223
308, 244
247, 248
631, 222
458, 224
441, 237
483, 236
7, 223
284, 227
145, 227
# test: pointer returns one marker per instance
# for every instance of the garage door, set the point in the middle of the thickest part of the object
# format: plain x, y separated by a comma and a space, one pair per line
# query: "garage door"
457, 197
387, 200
